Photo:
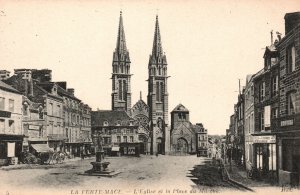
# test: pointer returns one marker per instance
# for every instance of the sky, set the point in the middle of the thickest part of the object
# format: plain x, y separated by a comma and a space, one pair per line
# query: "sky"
209, 46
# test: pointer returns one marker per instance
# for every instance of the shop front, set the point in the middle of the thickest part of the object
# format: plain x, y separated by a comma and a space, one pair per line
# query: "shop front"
265, 156
10, 149
130, 149
289, 159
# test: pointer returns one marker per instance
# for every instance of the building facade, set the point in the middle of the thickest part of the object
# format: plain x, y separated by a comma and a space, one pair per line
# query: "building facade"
118, 130
186, 138
288, 121
11, 132
201, 140
249, 122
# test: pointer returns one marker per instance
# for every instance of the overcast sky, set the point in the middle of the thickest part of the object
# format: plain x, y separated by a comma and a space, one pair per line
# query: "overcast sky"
209, 45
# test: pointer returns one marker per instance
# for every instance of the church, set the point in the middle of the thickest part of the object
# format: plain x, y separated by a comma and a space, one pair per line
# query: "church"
141, 128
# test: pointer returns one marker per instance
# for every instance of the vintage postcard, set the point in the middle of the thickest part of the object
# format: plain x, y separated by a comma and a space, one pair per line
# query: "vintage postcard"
149, 97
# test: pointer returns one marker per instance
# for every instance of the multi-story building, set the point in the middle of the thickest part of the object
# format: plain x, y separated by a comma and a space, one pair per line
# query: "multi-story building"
249, 122
11, 134
201, 140
239, 138
288, 121
37, 87
118, 131
72, 117
266, 104
85, 128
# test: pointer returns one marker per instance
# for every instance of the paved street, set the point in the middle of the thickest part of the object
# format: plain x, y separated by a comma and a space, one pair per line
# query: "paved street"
147, 172
144, 175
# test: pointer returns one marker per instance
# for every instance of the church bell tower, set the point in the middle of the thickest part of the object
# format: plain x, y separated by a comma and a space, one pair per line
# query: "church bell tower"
121, 92
158, 97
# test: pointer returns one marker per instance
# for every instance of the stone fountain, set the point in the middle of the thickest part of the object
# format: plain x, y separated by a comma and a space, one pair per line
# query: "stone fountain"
100, 167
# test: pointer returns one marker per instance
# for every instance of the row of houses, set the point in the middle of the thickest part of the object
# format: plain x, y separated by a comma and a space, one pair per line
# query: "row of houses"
264, 131
39, 114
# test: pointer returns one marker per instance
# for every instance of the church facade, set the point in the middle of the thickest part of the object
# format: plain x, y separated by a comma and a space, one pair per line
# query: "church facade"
149, 127
143, 128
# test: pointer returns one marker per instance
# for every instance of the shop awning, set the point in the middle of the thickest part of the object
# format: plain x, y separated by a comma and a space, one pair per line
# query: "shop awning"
115, 149
41, 148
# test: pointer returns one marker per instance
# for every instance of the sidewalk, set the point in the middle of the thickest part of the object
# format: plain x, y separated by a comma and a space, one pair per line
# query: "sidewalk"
38, 166
239, 175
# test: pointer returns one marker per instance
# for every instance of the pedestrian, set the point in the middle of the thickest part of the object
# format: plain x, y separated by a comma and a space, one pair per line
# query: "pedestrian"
156, 154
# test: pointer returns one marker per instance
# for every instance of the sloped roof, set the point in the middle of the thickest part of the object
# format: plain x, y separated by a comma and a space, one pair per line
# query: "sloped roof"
112, 117
180, 108
9, 88
63, 92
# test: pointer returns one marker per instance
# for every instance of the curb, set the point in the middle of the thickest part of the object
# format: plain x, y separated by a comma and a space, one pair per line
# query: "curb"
236, 182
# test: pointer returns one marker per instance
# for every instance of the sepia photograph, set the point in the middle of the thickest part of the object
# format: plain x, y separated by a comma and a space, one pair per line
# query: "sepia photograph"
149, 97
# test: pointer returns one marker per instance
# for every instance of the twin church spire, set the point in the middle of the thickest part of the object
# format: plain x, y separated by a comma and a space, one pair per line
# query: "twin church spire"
157, 98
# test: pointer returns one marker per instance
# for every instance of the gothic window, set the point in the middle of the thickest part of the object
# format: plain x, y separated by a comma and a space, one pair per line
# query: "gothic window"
159, 71
154, 71
120, 90
124, 90
157, 91
161, 92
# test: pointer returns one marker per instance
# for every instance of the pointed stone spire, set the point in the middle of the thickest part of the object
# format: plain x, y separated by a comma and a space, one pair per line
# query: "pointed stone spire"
140, 95
157, 48
121, 42
157, 56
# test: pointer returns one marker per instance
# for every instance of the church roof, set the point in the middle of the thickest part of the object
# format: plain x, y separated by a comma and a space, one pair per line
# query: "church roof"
113, 118
180, 108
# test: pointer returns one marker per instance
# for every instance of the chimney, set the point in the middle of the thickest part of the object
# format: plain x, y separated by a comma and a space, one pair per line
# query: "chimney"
291, 21
27, 79
4, 74
43, 75
62, 84
271, 37
71, 91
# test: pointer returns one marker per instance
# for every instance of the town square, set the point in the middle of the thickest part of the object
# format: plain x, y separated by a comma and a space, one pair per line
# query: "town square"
149, 97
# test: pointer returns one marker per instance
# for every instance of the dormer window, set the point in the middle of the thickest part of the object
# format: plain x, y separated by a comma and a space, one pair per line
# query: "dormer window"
118, 123
105, 123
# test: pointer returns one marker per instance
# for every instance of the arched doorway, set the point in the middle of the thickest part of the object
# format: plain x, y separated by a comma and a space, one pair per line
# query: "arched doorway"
182, 146
160, 145
144, 143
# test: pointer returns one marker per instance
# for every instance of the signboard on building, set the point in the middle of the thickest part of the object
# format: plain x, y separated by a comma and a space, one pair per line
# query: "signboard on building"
34, 127
287, 123
264, 139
